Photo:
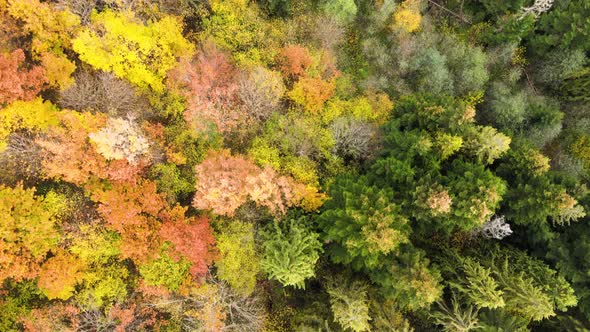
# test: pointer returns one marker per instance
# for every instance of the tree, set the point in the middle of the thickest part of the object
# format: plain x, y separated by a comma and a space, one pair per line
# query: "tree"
290, 252
191, 239
59, 275
28, 232
102, 92
211, 88
565, 25
260, 91
34, 115
69, 155
311, 93
120, 139
122, 44
51, 31
349, 303
236, 26
407, 16
353, 139
476, 191
487, 144
15, 81
293, 61
238, 263
342, 10
225, 182
408, 280
132, 210
165, 271
456, 319
362, 223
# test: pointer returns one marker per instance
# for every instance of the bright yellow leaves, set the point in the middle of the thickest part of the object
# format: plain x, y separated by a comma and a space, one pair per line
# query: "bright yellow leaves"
407, 17
31, 115
142, 54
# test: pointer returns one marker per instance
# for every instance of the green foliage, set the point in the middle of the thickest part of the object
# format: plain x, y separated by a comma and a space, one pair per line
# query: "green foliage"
165, 271
96, 245
500, 321
343, 11
475, 282
17, 302
565, 26
559, 65
103, 285
290, 252
349, 302
239, 262
172, 180
576, 87
362, 223
408, 280
456, 318
476, 192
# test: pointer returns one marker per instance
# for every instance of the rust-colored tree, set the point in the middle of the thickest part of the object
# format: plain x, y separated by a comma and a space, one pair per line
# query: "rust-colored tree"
16, 82
293, 60
192, 238
132, 211
68, 153
210, 85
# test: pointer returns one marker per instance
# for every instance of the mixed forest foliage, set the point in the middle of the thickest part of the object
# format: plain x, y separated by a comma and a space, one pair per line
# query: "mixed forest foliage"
294, 165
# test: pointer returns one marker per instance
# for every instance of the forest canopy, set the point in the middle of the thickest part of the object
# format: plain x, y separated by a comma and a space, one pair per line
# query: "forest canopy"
294, 165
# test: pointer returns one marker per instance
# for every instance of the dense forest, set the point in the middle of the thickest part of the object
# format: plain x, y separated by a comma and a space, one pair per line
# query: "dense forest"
294, 165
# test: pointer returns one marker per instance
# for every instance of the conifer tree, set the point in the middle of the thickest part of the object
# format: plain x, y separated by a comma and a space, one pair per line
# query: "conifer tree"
290, 252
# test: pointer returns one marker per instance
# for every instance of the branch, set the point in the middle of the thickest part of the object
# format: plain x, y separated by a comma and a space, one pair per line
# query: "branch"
450, 12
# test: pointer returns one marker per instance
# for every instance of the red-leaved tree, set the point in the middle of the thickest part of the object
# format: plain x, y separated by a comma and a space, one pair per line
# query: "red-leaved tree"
17, 82
210, 85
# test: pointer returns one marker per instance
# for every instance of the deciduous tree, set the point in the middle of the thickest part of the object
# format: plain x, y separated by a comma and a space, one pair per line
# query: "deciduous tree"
17, 82
119, 42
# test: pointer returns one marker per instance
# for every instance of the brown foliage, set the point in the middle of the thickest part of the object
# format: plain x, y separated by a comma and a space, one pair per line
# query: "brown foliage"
17, 82
225, 182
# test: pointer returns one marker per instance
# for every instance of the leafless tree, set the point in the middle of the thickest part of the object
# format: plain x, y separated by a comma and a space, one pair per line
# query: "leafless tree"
354, 139
21, 160
328, 32
538, 8
82, 8
260, 91
103, 92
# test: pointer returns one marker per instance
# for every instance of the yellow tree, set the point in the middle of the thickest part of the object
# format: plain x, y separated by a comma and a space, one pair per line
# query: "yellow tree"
51, 31
119, 42
27, 232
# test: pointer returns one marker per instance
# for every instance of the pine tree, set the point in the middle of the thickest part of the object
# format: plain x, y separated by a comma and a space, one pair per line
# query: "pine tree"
363, 223
290, 252
349, 302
